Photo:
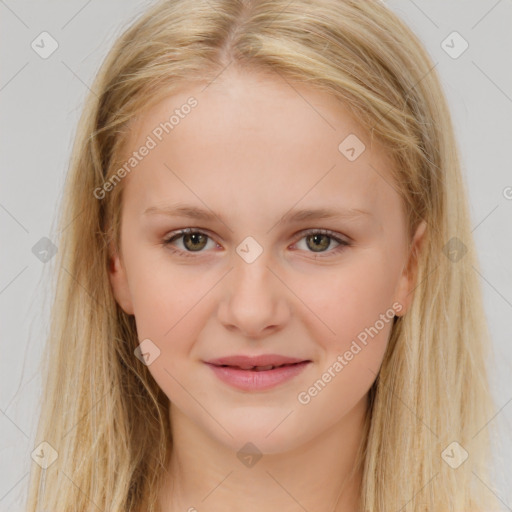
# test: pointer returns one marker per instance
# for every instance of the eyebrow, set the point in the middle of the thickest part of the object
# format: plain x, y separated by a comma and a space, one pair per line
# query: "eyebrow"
292, 216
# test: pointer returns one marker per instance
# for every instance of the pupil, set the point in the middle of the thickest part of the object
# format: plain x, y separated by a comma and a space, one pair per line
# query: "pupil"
195, 238
316, 237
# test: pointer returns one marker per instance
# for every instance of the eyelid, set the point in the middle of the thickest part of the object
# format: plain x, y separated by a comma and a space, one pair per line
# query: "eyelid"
332, 234
342, 240
177, 234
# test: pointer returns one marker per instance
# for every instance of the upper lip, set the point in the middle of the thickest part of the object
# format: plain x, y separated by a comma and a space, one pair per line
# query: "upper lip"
251, 361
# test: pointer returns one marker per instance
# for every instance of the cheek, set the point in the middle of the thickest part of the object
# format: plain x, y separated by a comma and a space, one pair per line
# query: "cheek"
166, 302
171, 304
162, 292
169, 307
352, 298
357, 305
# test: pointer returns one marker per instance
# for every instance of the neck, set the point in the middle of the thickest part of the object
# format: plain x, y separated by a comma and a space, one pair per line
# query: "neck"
320, 474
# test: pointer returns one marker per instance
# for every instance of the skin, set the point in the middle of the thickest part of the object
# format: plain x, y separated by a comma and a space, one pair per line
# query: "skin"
253, 149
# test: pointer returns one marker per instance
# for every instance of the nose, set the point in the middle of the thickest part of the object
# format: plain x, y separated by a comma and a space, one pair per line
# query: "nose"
255, 301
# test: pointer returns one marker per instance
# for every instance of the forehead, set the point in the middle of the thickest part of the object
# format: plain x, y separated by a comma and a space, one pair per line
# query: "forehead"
252, 142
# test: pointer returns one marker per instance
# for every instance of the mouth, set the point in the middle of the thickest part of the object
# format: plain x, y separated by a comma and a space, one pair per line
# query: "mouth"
248, 376
259, 368
262, 361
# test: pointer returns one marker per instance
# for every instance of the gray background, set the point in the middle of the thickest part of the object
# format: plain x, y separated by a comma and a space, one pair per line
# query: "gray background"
41, 99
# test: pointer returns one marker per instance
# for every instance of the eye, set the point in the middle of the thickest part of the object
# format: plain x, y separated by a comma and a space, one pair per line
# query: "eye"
193, 240
318, 240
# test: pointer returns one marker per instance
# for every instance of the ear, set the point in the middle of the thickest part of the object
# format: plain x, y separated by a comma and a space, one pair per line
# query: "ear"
407, 281
119, 281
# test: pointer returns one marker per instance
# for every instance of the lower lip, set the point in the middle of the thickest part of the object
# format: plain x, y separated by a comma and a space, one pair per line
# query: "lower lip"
250, 380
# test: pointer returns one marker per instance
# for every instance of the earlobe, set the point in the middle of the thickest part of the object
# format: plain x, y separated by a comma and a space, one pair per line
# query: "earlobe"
119, 282
407, 282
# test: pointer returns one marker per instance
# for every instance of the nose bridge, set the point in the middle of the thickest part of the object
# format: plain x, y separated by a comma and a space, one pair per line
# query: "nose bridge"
251, 274
251, 260
253, 299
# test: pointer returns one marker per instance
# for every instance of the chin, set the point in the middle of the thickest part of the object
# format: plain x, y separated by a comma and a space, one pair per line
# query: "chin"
269, 435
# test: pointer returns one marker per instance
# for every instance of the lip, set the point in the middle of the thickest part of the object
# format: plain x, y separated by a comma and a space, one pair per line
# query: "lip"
231, 370
261, 360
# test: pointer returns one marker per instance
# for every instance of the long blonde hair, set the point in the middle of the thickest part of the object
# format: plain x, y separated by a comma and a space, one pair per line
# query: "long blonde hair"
102, 411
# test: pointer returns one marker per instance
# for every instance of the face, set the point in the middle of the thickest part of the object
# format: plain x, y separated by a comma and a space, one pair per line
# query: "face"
255, 276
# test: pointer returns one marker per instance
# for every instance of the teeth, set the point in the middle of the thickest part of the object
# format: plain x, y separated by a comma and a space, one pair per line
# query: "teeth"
257, 368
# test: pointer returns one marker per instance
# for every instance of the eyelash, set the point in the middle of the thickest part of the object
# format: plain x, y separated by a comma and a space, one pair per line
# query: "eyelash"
189, 231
